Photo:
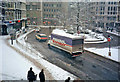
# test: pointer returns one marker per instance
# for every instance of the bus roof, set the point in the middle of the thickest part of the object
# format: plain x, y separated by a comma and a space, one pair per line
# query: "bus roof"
63, 33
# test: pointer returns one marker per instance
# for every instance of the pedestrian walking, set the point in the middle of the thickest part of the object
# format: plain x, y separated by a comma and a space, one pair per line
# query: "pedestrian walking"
68, 79
31, 75
42, 76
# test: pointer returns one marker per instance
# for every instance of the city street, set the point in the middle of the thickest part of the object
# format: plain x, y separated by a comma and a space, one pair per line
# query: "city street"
77, 39
87, 66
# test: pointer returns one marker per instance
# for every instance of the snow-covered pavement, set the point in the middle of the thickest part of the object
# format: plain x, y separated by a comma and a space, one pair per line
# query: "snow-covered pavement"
104, 52
114, 32
13, 66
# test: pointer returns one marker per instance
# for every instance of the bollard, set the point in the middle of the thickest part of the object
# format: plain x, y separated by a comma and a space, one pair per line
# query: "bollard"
109, 53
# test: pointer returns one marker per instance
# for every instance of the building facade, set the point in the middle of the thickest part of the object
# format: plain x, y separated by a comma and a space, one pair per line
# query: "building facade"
105, 13
45, 13
14, 15
33, 13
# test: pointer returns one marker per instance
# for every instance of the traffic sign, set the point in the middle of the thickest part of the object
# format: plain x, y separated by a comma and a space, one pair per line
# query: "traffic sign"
18, 20
109, 39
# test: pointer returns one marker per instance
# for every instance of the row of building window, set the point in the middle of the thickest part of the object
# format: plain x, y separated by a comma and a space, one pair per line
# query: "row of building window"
112, 8
48, 15
52, 5
111, 18
109, 8
105, 3
33, 7
10, 14
112, 13
108, 18
51, 10
112, 3
11, 4
109, 13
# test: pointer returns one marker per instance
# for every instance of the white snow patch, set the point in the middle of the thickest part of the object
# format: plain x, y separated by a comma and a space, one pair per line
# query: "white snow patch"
14, 66
114, 32
57, 73
104, 52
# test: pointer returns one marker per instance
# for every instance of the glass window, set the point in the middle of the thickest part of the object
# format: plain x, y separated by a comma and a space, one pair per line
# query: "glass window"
52, 15
28, 7
52, 5
108, 8
38, 6
111, 8
44, 5
114, 8
100, 12
111, 2
34, 7
96, 8
103, 8
52, 10
44, 9
100, 8
113, 12
59, 5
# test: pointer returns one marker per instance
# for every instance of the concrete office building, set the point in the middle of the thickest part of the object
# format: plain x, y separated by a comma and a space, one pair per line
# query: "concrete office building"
45, 13
105, 13
33, 13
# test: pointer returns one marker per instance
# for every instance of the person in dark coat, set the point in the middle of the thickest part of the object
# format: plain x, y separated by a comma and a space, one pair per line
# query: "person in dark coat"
68, 79
31, 75
42, 76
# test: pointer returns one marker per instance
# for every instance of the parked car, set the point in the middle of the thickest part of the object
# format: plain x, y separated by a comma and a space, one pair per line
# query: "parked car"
41, 37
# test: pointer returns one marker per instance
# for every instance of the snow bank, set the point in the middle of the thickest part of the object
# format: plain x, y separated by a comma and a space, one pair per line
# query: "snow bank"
104, 52
115, 33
